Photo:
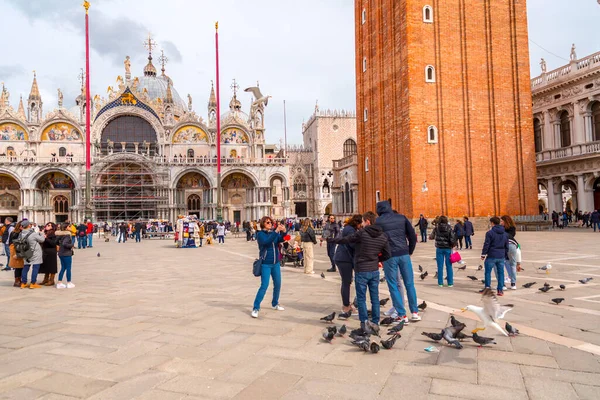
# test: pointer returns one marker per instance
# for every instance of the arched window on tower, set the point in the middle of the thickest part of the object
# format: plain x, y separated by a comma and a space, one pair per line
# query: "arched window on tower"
349, 147
364, 64
367, 164
537, 134
432, 134
190, 154
364, 16
565, 129
429, 73
596, 121
427, 14
62, 152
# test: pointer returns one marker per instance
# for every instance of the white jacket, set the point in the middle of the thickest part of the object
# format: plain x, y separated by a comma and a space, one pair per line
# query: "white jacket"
220, 230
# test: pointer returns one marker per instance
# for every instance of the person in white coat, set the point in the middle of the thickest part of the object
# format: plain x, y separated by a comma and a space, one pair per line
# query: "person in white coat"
221, 233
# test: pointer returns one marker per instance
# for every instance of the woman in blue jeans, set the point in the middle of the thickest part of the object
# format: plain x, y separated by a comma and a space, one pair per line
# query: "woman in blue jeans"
268, 249
444, 242
65, 254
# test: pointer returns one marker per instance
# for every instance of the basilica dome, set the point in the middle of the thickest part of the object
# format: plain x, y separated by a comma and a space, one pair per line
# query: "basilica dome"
235, 115
157, 88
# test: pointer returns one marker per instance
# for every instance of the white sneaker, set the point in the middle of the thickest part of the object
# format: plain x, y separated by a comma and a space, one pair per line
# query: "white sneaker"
61, 285
254, 314
415, 317
70, 285
278, 308
513, 287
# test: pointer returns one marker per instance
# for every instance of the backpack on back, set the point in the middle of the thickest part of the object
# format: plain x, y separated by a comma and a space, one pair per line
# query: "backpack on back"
22, 248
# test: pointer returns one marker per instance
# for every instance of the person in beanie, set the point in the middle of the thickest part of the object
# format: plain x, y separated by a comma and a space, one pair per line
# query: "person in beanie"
35, 240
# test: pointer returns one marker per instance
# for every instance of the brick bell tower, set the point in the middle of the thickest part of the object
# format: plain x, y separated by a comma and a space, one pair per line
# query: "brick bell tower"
444, 118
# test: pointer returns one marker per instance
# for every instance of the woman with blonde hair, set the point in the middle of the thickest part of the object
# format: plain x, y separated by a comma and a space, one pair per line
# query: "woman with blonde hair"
309, 239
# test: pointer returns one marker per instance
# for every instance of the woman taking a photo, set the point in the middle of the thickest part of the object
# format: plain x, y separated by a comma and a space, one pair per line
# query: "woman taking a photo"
308, 239
268, 251
344, 260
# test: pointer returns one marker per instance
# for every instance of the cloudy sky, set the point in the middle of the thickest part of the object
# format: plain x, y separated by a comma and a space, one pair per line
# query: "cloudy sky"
300, 51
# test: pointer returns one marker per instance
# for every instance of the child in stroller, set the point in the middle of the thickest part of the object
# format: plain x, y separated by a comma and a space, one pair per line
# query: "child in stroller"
292, 254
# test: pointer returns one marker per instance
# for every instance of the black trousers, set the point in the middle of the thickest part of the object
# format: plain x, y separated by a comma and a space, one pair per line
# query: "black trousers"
345, 270
18, 272
331, 253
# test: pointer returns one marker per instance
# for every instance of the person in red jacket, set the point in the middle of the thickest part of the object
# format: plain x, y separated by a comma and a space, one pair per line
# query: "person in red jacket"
90, 234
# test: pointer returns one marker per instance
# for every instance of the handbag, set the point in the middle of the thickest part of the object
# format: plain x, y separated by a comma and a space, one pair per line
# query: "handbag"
455, 257
257, 266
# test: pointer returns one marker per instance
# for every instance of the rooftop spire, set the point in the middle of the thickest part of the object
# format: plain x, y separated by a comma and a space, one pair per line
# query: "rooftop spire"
21, 110
212, 100
169, 96
149, 69
163, 60
35, 91
3, 97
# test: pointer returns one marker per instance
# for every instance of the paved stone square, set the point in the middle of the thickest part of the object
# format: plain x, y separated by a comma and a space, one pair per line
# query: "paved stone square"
149, 321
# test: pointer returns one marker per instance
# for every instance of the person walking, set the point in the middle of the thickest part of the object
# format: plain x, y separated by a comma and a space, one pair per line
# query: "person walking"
459, 231
402, 240
513, 262
445, 240
595, 220
344, 260
469, 231
15, 262
331, 230
422, 224
495, 252
268, 251
34, 239
6, 230
372, 247
65, 254
308, 238
221, 233
49, 261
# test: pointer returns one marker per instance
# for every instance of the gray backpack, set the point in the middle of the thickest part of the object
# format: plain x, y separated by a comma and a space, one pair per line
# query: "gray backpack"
22, 247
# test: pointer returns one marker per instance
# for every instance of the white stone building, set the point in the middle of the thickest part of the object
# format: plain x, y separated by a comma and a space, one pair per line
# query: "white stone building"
566, 119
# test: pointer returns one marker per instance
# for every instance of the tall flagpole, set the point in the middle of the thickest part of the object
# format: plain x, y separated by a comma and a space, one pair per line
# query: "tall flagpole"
88, 160
284, 133
219, 204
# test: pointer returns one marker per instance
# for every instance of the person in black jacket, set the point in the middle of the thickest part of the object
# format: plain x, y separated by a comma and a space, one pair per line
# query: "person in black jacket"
331, 230
403, 240
371, 247
422, 224
460, 232
344, 260
445, 240
469, 231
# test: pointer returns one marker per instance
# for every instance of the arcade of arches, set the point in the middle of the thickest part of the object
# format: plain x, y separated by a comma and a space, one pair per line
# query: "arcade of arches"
581, 192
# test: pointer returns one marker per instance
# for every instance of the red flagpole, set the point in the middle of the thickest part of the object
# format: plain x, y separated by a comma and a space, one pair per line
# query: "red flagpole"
88, 160
219, 208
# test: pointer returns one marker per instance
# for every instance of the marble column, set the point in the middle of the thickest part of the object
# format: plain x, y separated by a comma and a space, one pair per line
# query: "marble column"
551, 196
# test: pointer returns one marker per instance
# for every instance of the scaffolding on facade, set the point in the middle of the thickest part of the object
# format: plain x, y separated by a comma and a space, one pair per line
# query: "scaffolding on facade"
128, 189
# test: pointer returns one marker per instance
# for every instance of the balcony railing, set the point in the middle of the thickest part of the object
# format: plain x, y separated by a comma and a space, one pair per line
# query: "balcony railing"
349, 160
571, 151
41, 160
567, 71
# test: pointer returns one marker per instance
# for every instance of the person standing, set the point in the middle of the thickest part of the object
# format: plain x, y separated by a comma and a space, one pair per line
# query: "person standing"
308, 238
513, 262
595, 220
7, 229
344, 260
81, 236
495, 252
221, 233
469, 231
268, 251
422, 224
122, 232
65, 254
15, 262
201, 233
138, 231
331, 230
459, 232
372, 247
73, 230
445, 240
90, 234
403, 240
35, 239
49, 264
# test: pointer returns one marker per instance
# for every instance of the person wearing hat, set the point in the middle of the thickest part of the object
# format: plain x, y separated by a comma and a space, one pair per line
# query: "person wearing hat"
35, 240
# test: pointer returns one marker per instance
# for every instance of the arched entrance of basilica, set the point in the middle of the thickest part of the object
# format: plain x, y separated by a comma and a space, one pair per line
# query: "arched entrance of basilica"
239, 197
10, 197
54, 196
194, 196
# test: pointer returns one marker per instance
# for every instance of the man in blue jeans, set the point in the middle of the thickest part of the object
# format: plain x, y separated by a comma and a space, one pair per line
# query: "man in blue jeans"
595, 220
495, 251
403, 240
371, 247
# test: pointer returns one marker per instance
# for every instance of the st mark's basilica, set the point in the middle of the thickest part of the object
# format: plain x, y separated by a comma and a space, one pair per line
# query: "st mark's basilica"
154, 157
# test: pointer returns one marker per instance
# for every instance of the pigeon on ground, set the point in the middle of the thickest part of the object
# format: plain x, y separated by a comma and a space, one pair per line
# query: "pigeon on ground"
323, 275
374, 348
585, 280
359, 335
471, 277
396, 329
546, 284
420, 268
422, 306
461, 336
483, 281
383, 302
389, 343
449, 334
480, 268
491, 311
528, 285
454, 321
364, 345
424, 275
382, 279
387, 321
332, 329
436, 274
342, 331
433, 336
328, 336
355, 302
371, 328
462, 268
512, 331
546, 268
328, 318
545, 288
98, 254
562, 287
558, 300
482, 340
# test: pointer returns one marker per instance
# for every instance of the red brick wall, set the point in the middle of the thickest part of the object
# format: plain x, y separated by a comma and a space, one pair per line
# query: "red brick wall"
484, 162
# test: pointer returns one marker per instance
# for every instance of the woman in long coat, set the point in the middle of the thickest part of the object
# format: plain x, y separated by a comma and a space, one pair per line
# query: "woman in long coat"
49, 266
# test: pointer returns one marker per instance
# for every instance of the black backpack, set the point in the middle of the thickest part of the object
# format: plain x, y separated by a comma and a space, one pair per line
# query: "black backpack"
22, 247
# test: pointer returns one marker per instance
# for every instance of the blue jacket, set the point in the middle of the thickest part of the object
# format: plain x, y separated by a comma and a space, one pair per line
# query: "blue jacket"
469, 231
344, 253
268, 246
399, 230
458, 229
496, 243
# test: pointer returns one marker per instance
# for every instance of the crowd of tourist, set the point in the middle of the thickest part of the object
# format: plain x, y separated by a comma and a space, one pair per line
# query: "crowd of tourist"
577, 218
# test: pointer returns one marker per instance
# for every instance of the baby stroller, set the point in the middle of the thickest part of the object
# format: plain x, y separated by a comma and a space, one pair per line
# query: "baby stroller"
292, 255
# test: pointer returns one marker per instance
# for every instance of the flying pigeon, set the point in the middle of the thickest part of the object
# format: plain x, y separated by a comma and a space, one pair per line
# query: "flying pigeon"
328, 318
585, 280
387, 321
424, 275
422, 306
471, 277
433, 336
512, 331
389, 343
558, 300
383, 302
323, 275
420, 268
374, 348
545, 288
562, 287
491, 311
528, 285
328, 336
481, 340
